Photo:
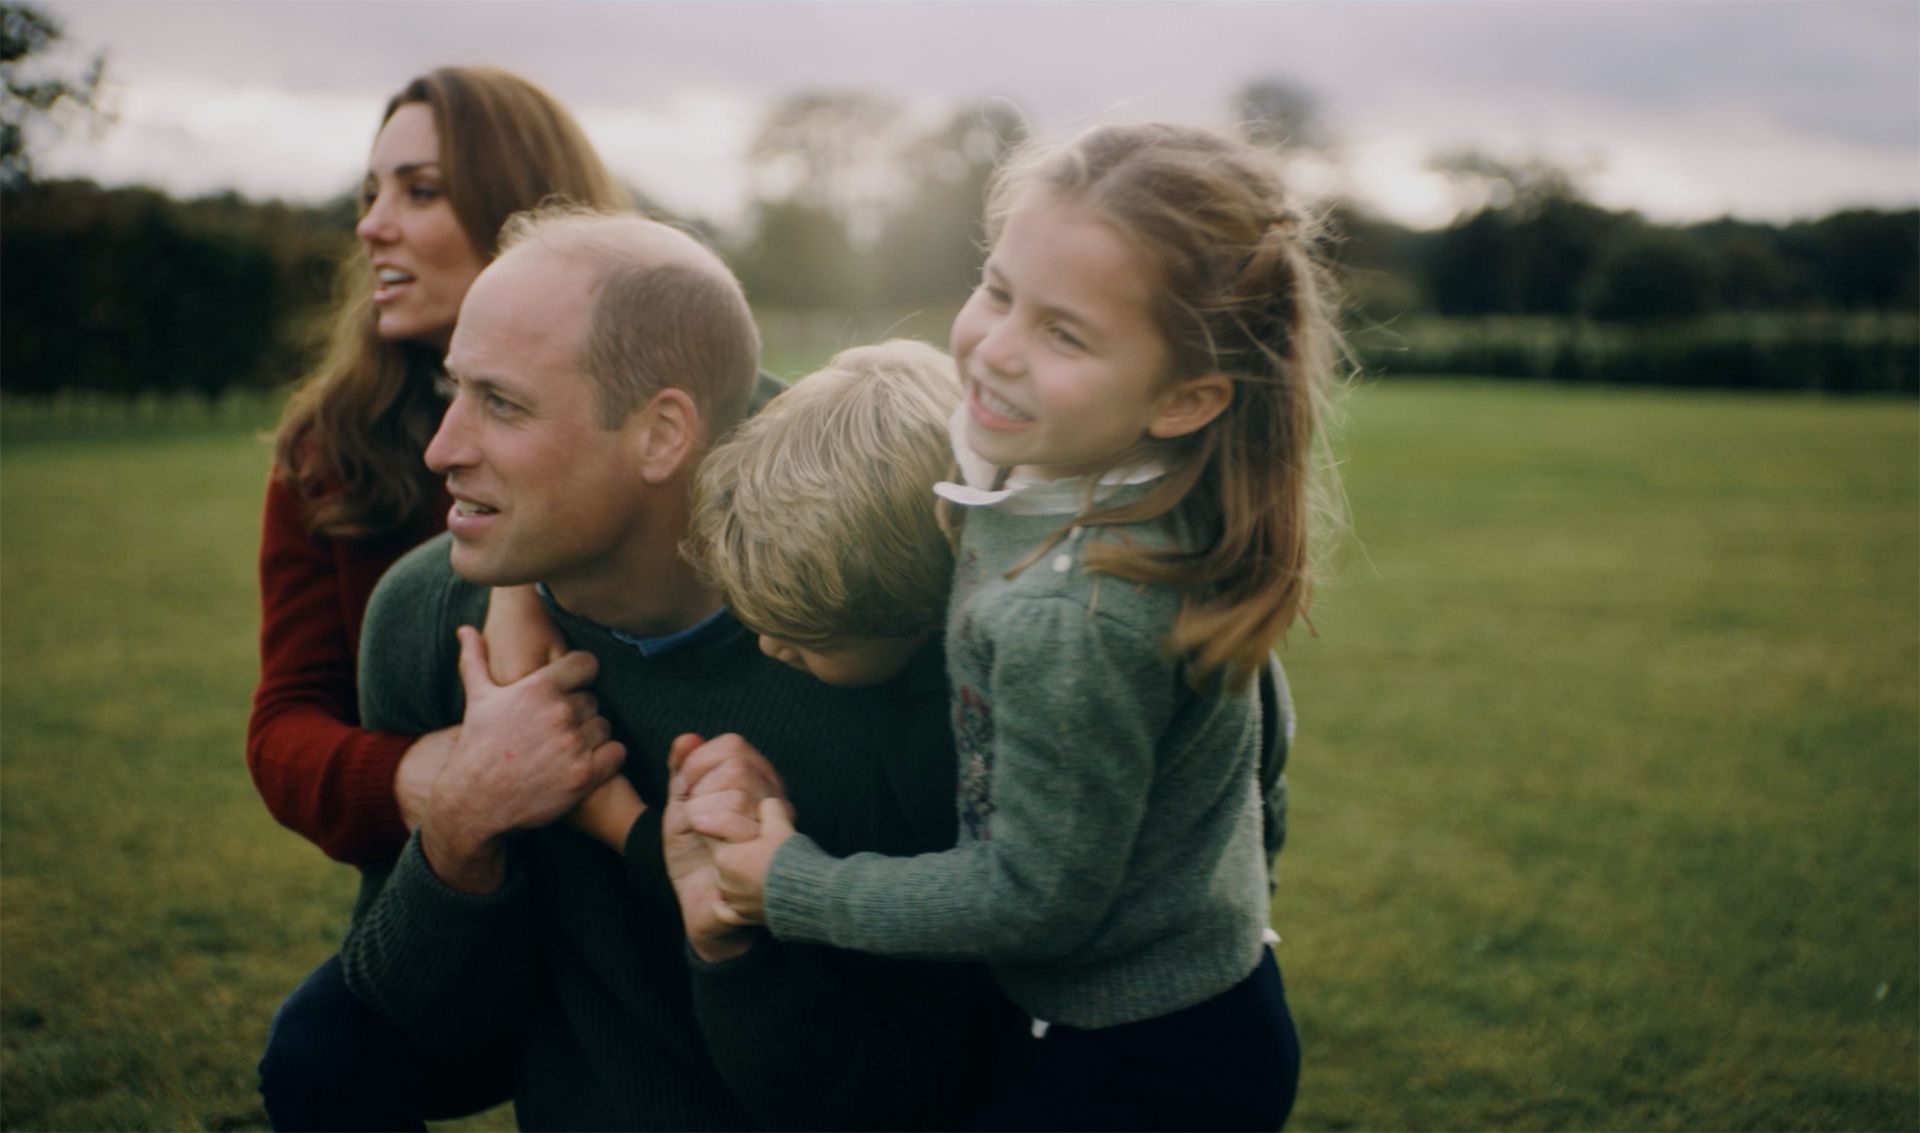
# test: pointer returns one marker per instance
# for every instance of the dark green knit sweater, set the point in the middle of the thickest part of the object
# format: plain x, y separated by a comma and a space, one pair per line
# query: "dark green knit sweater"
583, 950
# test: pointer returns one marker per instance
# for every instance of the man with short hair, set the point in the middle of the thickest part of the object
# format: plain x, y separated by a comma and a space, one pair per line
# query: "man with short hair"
593, 363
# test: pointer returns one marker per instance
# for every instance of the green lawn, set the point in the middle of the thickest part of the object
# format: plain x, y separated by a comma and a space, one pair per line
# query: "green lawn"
1607, 796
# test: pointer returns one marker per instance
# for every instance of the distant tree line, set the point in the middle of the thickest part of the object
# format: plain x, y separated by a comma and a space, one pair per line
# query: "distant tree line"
1542, 283
129, 290
1547, 250
855, 209
858, 208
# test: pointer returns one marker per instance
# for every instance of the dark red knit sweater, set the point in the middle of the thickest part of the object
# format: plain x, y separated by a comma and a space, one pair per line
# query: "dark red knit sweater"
320, 773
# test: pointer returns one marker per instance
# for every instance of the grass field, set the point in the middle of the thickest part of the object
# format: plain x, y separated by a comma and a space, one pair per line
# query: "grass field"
1607, 796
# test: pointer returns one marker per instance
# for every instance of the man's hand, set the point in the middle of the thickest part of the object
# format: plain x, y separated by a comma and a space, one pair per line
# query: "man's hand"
526, 754
740, 867
413, 779
718, 784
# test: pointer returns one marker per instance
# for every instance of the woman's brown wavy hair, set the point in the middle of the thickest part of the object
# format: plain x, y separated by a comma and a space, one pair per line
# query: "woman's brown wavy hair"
353, 435
1239, 290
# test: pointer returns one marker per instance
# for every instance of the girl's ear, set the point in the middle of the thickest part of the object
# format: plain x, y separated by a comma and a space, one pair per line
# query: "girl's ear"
669, 431
1190, 406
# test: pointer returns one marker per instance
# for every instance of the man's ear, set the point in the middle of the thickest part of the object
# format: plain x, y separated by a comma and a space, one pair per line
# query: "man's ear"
1190, 405
671, 433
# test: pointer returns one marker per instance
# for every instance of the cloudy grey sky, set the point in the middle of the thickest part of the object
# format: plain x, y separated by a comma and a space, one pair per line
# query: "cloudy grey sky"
1682, 110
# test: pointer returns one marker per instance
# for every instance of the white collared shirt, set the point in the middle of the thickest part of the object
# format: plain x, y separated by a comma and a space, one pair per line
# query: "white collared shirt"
1025, 495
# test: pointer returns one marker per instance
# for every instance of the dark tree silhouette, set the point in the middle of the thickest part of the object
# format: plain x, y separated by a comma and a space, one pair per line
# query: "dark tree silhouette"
37, 97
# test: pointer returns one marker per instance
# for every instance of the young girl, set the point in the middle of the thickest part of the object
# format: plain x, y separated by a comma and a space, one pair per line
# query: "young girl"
1144, 362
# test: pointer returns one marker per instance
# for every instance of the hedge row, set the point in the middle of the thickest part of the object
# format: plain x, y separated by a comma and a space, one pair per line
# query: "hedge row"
1828, 353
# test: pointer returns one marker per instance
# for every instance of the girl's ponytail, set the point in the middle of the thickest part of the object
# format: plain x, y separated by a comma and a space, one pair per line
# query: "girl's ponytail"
1257, 576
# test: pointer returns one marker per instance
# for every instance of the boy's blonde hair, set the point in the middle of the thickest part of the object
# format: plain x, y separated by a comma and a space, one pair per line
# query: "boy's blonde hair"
816, 516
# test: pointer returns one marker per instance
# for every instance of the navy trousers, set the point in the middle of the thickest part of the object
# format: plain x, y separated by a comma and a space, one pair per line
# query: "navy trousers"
332, 1062
1232, 1062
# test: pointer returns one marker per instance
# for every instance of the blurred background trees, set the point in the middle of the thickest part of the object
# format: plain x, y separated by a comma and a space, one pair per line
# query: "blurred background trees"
38, 97
853, 210
868, 220
128, 290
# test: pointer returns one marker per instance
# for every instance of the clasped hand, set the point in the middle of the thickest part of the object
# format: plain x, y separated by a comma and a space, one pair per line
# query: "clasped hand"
730, 798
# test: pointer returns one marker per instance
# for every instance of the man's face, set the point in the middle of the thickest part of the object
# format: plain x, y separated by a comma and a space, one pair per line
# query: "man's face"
542, 492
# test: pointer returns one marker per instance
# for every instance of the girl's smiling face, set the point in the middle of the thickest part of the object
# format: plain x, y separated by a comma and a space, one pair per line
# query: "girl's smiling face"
1063, 362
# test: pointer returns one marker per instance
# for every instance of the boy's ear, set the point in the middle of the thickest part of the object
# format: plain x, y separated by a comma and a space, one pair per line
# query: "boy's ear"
1190, 405
670, 432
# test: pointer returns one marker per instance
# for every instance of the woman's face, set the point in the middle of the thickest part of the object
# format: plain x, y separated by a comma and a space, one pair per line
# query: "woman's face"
422, 259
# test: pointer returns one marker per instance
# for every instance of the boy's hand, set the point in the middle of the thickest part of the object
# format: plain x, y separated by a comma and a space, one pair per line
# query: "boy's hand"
741, 866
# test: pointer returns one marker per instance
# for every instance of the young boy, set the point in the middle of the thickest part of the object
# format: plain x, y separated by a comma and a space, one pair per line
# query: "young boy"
815, 520
816, 517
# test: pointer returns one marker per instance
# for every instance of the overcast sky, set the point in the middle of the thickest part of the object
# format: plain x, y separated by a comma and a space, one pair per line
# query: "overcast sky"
1682, 110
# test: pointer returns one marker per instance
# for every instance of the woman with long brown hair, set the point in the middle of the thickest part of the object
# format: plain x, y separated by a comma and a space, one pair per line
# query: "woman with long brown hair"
459, 150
